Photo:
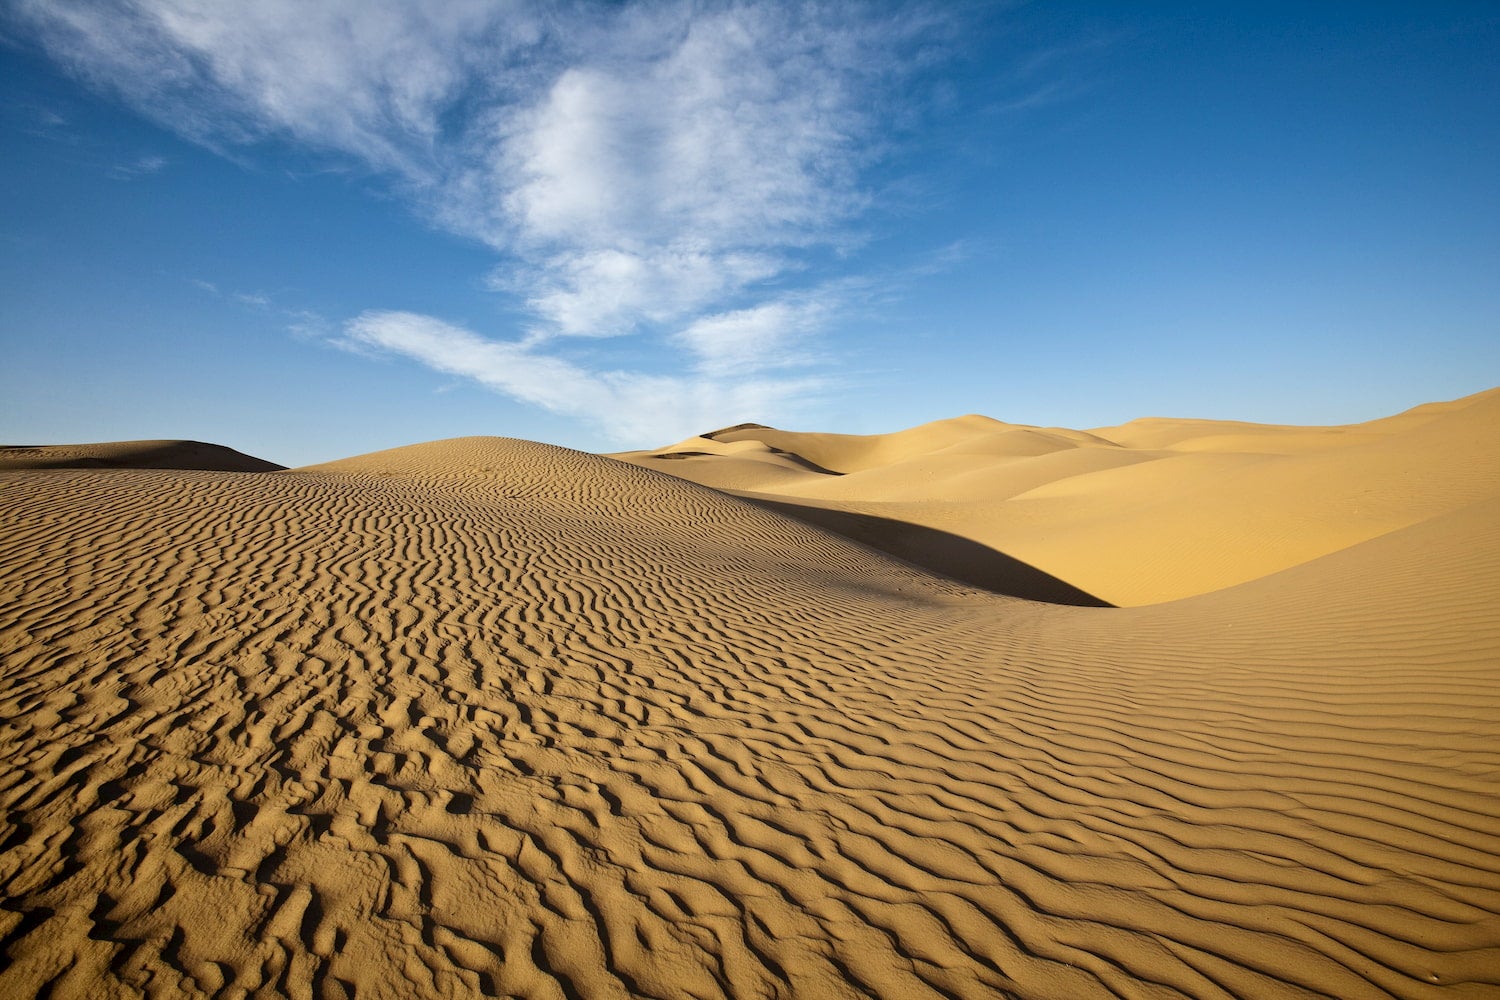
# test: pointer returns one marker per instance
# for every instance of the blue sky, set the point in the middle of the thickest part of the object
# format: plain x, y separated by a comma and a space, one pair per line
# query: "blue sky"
309, 231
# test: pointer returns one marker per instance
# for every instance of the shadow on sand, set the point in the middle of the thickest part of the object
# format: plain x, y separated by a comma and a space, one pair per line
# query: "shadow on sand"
181, 455
951, 555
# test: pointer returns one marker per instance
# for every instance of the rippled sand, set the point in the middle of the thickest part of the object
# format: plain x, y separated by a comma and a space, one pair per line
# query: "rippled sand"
489, 717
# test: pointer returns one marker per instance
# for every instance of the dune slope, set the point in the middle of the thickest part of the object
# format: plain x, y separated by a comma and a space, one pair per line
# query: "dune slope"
132, 455
1154, 510
486, 717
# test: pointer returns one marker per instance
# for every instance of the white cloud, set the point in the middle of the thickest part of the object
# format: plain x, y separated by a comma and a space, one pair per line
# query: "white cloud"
366, 77
630, 407
658, 168
607, 291
753, 339
740, 130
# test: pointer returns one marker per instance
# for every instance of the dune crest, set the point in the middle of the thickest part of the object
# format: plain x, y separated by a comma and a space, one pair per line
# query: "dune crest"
132, 455
1153, 510
486, 717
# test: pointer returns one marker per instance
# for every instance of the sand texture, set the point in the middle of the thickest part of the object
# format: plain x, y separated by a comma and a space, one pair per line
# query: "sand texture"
484, 717
1151, 511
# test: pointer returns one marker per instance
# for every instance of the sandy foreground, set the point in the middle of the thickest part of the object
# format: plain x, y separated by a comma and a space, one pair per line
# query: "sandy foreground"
489, 717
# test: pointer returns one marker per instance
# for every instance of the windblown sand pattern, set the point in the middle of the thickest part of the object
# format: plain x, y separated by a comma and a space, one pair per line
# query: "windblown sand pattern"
487, 717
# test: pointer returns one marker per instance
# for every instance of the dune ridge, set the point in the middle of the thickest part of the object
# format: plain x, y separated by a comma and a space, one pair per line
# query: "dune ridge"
1150, 511
485, 717
132, 455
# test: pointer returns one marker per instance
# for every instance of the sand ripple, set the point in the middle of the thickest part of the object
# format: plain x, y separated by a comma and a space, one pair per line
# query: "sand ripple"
487, 717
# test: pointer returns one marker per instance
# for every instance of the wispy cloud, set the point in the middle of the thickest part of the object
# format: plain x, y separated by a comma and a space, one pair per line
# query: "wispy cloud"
37, 120
669, 169
141, 166
768, 335
305, 324
625, 406
256, 300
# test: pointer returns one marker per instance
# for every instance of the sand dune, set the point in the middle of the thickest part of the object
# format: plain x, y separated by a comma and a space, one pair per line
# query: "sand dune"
132, 455
1151, 511
488, 717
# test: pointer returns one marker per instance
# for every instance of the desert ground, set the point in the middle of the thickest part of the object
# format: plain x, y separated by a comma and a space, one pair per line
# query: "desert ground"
1177, 708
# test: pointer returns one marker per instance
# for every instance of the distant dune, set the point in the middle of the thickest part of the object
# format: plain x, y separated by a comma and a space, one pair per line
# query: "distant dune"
132, 455
1150, 511
485, 717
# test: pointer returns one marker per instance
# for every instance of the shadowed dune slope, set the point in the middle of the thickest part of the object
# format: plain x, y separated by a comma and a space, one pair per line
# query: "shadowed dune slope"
951, 555
1150, 511
132, 455
486, 717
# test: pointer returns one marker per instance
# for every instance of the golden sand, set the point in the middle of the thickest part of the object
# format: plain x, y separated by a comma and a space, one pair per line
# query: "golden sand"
488, 717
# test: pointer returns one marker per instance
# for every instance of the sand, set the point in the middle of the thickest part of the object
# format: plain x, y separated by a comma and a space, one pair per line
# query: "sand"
1151, 511
132, 455
486, 717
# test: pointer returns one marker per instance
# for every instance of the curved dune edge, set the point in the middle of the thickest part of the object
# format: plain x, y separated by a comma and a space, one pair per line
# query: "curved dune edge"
486, 717
1151, 511
132, 455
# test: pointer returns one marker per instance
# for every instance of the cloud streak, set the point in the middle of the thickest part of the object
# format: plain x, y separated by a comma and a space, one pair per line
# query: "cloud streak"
141, 166
672, 170
626, 405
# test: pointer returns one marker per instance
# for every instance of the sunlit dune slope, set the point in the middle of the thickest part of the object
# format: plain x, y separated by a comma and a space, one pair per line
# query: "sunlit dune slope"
485, 717
1150, 511
132, 455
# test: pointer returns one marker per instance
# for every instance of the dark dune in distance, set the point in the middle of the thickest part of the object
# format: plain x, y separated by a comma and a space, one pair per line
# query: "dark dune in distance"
133, 455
